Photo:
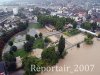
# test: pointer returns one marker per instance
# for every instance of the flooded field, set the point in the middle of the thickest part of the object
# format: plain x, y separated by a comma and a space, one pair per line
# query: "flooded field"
85, 55
76, 39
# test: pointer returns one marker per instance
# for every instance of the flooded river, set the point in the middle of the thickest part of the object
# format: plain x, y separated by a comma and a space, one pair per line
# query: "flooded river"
82, 61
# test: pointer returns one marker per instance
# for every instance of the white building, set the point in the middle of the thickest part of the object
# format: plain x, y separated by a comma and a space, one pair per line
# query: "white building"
30, 9
90, 12
15, 11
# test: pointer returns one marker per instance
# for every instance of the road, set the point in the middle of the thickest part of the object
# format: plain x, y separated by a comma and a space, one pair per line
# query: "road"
51, 33
5, 18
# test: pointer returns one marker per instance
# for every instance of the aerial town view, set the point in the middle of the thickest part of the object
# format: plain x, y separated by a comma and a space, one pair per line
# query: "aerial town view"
49, 37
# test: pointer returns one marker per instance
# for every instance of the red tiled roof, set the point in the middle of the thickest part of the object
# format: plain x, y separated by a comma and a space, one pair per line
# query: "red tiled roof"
97, 20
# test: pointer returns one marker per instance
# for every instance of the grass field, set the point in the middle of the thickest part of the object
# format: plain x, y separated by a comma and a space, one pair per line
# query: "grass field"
71, 32
21, 53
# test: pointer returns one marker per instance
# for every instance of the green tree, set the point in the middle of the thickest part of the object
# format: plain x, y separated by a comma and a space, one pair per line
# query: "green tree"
23, 26
87, 25
32, 39
10, 43
28, 61
59, 25
47, 40
28, 37
13, 49
28, 46
69, 20
56, 21
40, 35
90, 36
94, 26
50, 56
88, 41
61, 45
10, 61
74, 25
8, 57
36, 36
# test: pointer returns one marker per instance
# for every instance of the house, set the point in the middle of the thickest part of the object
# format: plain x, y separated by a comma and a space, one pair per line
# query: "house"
18, 62
50, 27
67, 26
98, 22
81, 14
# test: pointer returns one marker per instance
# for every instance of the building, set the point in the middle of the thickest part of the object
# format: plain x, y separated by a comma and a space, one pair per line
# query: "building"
15, 11
98, 22
50, 28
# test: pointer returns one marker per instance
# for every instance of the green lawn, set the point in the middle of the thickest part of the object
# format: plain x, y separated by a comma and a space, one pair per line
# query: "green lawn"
71, 32
66, 33
39, 43
21, 53
35, 25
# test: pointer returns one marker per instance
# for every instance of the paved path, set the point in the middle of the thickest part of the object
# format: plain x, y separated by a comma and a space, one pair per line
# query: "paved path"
51, 33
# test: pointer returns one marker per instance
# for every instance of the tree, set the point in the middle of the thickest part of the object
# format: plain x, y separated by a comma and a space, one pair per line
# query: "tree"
59, 25
88, 41
49, 55
61, 45
87, 25
69, 20
74, 25
47, 40
13, 48
36, 36
28, 37
40, 35
28, 61
23, 26
56, 21
8, 57
10, 61
94, 26
10, 43
90, 36
28, 46
32, 39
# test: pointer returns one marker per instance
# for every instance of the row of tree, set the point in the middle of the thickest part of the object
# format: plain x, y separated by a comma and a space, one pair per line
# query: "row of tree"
7, 35
89, 26
57, 22
10, 57
30, 40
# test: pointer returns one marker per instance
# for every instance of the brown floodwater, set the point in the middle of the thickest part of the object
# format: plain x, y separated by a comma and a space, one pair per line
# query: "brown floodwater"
85, 57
